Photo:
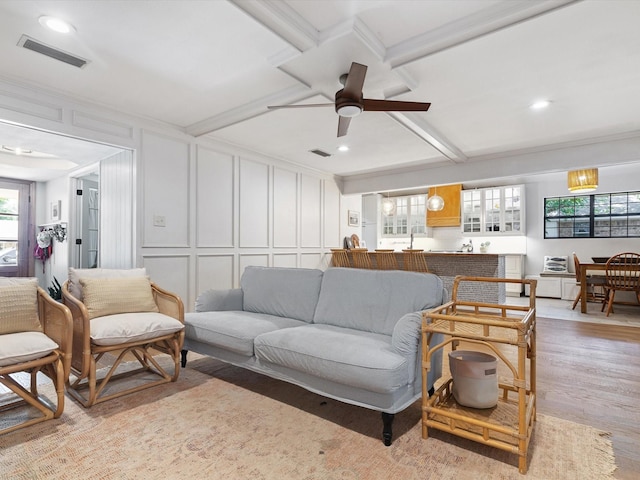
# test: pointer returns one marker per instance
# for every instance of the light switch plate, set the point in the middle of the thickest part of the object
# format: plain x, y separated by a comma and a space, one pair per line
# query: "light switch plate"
159, 221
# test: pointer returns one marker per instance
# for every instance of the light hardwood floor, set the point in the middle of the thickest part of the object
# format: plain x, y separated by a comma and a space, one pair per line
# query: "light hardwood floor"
589, 373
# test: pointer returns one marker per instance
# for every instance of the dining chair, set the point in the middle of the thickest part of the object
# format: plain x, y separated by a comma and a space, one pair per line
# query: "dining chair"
595, 285
414, 260
339, 257
386, 259
361, 258
622, 274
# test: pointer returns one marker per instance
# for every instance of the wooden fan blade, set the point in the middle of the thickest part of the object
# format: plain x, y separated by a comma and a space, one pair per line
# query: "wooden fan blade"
274, 107
393, 106
343, 125
355, 81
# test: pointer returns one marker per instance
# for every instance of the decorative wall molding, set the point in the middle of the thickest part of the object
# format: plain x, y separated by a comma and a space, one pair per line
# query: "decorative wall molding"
102, 125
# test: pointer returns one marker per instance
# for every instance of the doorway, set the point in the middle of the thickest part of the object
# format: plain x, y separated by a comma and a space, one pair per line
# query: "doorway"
15, 221
87, 240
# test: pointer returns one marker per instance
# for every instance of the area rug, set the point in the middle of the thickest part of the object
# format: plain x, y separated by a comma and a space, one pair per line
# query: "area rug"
223, 422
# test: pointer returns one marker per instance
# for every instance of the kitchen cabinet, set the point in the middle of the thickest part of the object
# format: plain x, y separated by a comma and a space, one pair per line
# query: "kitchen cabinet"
493, 211
449, 216
514, 269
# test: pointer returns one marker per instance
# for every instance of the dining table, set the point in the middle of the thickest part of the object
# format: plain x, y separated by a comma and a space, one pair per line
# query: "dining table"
597, 267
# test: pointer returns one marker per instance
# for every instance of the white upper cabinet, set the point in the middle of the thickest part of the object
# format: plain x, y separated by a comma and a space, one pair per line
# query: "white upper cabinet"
493, 211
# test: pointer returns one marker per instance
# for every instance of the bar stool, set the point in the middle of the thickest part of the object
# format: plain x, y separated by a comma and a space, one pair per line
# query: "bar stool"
414, 260
339, 257
386, 259
361, 258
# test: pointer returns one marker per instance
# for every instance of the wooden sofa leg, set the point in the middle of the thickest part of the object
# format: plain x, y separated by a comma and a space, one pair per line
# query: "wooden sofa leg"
387, 421
183, 358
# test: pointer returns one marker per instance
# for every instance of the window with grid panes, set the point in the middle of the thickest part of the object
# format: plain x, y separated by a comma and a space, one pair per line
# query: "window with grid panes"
602, 215
410, 214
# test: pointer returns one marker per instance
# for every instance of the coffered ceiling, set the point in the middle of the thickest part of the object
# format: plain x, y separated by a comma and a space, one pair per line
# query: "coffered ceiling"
213, 67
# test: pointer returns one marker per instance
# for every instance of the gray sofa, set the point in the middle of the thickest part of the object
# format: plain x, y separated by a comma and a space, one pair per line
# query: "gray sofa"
349, 334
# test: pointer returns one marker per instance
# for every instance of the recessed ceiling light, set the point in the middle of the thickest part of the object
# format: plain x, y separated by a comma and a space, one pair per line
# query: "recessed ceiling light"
540, 104
56, 24
343, 148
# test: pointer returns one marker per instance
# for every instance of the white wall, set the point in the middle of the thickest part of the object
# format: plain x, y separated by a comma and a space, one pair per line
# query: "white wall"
56, 266
613, 179
202, 210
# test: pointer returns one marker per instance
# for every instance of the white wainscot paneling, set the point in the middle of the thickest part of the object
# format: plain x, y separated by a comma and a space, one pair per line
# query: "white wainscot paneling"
214, 199
166, 191
170, 272
214, 271
311, 260
332, 215
289, 260
311, 211
285, 201
254, 204
255, 259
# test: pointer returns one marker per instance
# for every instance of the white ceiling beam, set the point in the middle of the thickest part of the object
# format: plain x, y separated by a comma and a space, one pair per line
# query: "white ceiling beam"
426, 132
282, 20
250, 110
497, 17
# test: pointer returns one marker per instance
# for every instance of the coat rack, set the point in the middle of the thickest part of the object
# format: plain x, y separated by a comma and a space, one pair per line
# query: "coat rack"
56, 230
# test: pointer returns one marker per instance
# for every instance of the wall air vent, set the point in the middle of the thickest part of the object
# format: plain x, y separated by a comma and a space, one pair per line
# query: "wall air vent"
321, 153
36, 46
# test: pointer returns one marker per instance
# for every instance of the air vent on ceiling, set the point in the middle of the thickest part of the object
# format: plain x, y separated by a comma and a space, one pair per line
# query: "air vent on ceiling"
320, 152
36, 46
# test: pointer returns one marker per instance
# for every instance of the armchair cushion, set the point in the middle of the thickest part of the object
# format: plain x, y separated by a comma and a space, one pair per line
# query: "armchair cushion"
132, 327
19, 307
110, 296
75, 274
24, 346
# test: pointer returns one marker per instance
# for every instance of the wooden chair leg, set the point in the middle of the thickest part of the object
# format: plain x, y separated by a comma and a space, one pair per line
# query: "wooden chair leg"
575, 302
612, 294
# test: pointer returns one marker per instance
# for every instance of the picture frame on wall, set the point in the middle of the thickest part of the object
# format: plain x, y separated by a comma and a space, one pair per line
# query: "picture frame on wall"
353, 218
55, 211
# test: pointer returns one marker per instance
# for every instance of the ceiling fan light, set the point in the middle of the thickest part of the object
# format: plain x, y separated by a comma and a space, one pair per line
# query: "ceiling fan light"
349, 110
582, 181
388, 206
435, 203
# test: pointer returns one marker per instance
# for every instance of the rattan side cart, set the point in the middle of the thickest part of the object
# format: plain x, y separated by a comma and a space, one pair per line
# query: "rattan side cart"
508, 425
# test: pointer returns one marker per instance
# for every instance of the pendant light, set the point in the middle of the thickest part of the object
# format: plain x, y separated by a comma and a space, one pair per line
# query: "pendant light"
435, 203
388, 206
582, 181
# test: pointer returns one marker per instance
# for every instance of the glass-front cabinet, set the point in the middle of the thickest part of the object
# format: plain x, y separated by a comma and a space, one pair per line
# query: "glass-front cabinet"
495, 210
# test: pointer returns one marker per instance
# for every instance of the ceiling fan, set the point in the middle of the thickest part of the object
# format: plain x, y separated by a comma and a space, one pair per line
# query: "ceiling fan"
349, 101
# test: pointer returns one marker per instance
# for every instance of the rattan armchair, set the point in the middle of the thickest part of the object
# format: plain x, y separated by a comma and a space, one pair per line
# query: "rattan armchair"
111, 340
27, 350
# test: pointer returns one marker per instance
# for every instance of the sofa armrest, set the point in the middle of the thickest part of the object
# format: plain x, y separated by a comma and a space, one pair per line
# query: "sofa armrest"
406, 334
217, 300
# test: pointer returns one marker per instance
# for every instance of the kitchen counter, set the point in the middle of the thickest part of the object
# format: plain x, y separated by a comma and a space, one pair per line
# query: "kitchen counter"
449, 264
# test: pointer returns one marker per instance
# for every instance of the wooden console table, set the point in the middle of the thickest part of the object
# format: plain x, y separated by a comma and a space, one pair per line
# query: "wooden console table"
509, 424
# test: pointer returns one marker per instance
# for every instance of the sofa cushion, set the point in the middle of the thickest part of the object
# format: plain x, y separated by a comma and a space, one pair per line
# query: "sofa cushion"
19, 307
374, 300
110, 296
285, 292
358, 359
76, 273
233, 330
132, 327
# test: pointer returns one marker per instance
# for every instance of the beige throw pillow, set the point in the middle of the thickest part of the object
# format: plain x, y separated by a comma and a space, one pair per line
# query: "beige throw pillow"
110, 296
19, 307
75, 274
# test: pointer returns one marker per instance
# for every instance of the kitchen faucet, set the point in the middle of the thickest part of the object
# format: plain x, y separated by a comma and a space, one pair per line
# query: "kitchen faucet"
411, 243
468, 246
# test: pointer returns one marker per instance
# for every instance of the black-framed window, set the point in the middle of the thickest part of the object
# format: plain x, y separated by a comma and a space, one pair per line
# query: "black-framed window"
602, 215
